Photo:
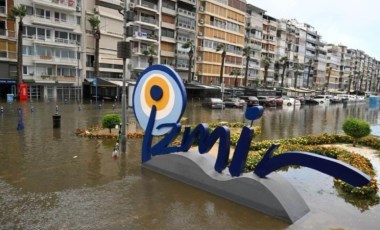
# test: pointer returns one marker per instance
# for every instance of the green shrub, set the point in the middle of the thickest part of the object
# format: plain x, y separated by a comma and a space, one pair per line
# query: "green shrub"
356, 128
109, 121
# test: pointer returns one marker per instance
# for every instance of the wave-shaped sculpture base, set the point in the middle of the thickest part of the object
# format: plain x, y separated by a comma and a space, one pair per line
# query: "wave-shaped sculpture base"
272, 195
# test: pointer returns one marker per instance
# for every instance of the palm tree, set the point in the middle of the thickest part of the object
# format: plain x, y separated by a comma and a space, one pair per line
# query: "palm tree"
284, 62
296, 71
20, 12
328, 78
150, 52
221, 47
95, 22
276, 70
187, 45
236, 73
247, 53
308, 73
266, 61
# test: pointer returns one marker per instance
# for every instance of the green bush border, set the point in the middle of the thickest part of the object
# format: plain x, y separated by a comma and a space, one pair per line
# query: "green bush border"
312, 143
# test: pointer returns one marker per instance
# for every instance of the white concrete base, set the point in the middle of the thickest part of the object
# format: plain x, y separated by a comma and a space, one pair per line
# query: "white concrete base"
272, 195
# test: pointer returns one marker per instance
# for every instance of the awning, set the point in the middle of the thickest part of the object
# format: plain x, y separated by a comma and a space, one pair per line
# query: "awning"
28, 80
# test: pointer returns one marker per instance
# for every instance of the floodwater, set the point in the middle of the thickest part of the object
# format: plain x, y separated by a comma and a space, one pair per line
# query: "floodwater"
52, 179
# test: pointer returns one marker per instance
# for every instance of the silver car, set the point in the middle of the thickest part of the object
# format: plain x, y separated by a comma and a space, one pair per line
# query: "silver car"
213, 103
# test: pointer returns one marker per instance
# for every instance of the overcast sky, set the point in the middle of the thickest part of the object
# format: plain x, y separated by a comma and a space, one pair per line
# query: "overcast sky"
354, 23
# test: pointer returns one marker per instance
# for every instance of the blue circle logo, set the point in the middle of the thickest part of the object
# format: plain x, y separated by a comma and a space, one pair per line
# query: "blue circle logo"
159, 86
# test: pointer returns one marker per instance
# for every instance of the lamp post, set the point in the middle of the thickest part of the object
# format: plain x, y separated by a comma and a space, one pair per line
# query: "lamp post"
77, 73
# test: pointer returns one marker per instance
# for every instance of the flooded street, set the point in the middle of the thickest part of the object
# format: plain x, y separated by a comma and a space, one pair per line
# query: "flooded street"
52, 179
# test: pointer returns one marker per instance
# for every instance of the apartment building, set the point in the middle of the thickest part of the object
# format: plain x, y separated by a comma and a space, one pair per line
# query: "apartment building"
220, 22
51, 47
8, 55
291, 38
333, 64
253, 39
268, 46
345, 68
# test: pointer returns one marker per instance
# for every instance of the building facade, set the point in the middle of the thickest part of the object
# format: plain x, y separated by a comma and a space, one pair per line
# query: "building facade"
8, 53
59, 47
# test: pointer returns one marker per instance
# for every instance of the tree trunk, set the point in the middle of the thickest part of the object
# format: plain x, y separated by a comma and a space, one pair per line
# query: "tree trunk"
295, 79
19, 52
96, 66
189, 78
265, 75
354, 142
150, 60
222, 68
282, 75
246, 70
308, 76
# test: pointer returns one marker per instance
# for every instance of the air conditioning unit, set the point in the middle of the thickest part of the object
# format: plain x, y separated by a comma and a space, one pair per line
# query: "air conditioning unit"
201, 8
201, 21
195, 78
200, 34
96, 9
79, 9
199, 47
131, 5
199, 58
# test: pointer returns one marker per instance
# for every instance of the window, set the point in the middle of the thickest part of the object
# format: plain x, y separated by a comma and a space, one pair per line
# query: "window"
29, 31
90, 61
27, 50
167, 33
3, 30
2, 6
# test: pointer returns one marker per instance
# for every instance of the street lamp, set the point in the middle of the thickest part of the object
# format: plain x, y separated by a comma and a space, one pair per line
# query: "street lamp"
78, 90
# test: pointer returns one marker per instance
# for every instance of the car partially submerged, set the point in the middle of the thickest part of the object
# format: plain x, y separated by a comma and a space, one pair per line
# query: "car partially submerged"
234, 103
213, 103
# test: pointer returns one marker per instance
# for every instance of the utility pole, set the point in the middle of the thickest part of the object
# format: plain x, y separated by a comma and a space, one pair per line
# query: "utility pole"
124, 52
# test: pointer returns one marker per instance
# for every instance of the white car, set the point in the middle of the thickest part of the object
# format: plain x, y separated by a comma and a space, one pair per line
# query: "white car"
289, 101
321, 99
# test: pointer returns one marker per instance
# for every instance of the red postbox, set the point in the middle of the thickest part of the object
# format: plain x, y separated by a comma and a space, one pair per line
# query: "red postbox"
23, 91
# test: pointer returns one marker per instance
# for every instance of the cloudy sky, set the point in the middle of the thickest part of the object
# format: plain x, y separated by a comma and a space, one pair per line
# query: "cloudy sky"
354, 23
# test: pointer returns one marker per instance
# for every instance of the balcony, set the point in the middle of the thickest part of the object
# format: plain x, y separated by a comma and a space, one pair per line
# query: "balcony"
145, 36
168, 11
139, 64
46, 59
53, 41
192, 2
55, 22
186, 26
145, 5
66, 5
182, 66
186, 13
167, 53
147, 21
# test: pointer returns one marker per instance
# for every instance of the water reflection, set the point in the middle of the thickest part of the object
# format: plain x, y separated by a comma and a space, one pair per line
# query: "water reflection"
50, 178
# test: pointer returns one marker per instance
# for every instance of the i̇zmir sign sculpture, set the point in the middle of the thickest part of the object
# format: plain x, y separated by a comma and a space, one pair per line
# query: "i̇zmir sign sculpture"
159, 100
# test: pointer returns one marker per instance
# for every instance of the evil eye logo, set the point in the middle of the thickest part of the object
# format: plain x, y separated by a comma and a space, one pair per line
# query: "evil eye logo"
159, 86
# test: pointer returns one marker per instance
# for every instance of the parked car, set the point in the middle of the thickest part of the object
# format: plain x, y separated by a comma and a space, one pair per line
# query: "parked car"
279, 101
291, 101
250, 100
234, 103
267, 101
322, 99
213, 103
